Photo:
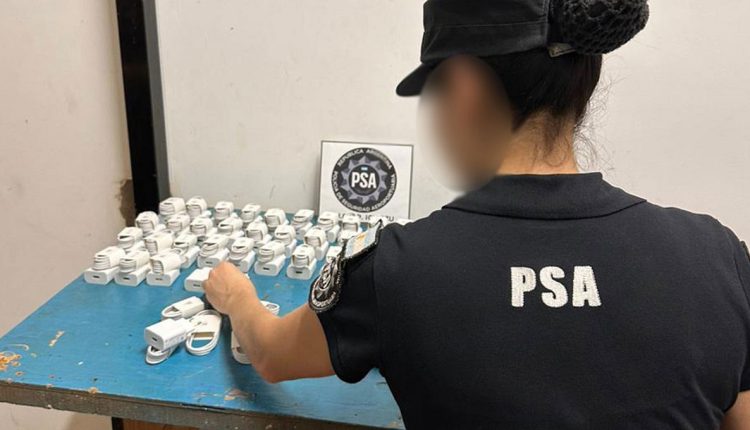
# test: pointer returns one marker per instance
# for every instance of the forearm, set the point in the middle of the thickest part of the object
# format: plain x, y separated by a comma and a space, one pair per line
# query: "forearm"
285, 348
253, 326
738, 417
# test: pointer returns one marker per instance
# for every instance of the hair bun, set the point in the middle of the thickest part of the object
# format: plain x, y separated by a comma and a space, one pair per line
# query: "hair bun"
599, 26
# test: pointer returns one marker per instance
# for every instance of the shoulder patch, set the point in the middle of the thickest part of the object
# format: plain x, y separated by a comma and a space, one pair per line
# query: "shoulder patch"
326, 289
363, 242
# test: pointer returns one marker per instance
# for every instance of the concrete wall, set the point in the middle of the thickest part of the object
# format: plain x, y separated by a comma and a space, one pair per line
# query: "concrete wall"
64, 160
252, 87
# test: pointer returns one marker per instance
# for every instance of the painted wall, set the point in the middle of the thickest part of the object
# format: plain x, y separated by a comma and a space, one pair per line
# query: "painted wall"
252, 87
64, 159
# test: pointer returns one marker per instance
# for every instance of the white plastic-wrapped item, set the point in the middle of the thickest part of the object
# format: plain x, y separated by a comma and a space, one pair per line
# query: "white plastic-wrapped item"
194, 281
241, 253
171, 206
106, 264
231, 227
329, 222
302, 222
223, 210
275, 217
177, 223
250, 213
271, 258
165, 269
149, 223
129, 238
167, 333
202, 227
213, 251
133, 268
186, 245
303, 263
185, 308
316, 237
159, 242
258, 231
196, 206
288, 236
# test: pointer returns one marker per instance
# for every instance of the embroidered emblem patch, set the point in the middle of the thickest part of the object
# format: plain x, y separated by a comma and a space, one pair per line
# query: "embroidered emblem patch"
326, 290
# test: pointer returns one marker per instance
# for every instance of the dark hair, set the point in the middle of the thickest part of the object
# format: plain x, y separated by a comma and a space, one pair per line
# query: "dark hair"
535, 83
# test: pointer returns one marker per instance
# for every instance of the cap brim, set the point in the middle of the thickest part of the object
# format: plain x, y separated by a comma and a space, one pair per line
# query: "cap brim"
412, 84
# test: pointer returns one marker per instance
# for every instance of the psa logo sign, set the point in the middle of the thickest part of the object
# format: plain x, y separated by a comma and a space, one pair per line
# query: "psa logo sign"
364, 180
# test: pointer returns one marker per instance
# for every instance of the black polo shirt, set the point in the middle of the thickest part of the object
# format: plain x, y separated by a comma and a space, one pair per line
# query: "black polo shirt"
550, 302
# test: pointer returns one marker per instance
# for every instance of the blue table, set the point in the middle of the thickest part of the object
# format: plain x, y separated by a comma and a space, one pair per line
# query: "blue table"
83, 351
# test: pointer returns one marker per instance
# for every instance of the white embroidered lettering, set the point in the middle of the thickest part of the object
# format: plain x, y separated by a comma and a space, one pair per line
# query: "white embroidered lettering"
523, 280
585, 291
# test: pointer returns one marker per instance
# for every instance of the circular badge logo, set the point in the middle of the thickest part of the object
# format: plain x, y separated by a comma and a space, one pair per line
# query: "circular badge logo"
364, 180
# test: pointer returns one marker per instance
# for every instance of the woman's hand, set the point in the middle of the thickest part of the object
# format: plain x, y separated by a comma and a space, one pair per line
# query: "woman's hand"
228, 289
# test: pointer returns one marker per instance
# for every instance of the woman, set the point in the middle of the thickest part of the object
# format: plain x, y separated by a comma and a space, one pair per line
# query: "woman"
544, 298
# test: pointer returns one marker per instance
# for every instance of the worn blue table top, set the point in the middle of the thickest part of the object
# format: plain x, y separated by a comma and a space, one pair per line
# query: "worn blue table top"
89, 338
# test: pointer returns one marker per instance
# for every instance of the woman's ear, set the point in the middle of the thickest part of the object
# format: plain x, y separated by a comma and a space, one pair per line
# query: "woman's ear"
463, 86
474, 93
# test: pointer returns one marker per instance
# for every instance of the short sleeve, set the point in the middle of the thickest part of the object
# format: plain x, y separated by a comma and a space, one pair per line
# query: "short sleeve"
742, 262
350, 326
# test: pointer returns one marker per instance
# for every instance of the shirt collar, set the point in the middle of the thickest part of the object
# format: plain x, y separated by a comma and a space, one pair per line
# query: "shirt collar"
547, 197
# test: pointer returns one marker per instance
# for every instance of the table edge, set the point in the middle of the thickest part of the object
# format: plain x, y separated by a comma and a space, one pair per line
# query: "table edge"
155, 411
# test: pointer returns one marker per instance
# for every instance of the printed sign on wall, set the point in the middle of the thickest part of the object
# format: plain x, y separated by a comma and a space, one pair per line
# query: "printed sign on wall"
367, 179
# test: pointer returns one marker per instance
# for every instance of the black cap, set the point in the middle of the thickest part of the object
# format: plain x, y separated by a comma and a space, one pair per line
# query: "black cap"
485, 28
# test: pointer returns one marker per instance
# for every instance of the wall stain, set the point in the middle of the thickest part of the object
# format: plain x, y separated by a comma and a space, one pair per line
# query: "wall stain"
71, 103
127, 201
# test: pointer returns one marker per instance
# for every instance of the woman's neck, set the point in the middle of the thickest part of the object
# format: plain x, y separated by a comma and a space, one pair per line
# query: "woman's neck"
530, 152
